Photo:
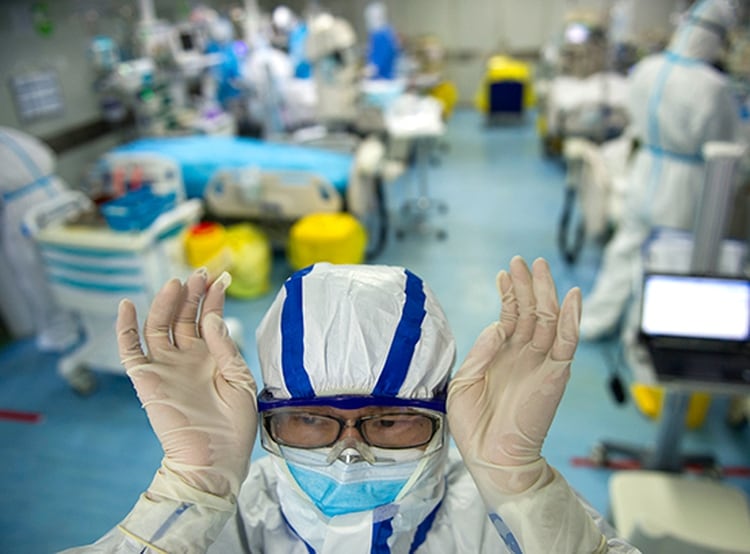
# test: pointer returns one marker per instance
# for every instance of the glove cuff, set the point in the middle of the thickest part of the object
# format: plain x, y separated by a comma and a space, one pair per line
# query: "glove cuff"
169, 483
174, 517
534, 507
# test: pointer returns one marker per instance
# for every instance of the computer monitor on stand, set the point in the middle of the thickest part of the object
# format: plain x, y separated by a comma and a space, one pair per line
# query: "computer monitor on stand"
694, 326
696, 330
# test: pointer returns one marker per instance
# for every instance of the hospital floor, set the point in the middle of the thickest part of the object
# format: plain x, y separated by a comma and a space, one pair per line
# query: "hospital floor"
74, 467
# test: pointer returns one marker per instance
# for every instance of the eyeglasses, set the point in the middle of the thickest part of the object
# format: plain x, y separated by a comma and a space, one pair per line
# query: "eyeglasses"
304, 429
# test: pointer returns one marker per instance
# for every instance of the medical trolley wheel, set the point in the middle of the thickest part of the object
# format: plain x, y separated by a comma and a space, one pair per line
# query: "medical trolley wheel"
82, 380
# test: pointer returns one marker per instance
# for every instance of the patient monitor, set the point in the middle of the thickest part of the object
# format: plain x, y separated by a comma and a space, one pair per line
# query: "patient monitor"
697, 329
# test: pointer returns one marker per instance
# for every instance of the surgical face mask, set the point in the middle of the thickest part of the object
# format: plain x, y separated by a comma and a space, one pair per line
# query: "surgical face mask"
352, 476
343, 488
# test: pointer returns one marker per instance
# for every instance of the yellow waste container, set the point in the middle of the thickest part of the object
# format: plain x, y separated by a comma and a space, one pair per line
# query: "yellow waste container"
338, 238
504, 68
206, 245
251, 261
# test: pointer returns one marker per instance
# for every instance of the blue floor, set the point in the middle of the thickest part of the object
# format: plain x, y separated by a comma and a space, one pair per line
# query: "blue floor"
70, 477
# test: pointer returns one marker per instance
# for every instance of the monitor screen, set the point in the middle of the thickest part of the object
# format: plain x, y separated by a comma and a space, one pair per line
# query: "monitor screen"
186, 41
696, 307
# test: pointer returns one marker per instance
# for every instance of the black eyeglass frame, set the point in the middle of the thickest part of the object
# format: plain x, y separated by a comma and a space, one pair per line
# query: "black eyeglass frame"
435, 420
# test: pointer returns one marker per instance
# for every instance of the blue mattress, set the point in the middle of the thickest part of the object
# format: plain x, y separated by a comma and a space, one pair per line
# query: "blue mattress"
200, 156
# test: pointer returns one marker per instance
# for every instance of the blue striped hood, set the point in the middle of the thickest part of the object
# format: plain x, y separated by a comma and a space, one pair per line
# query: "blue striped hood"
369, 332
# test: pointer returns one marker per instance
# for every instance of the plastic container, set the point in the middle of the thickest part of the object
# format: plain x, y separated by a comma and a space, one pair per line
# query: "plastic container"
326, 237
206, 246
136, 210
251, 261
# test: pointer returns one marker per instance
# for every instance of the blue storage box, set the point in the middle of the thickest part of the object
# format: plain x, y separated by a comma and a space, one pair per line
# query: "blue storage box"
136, 210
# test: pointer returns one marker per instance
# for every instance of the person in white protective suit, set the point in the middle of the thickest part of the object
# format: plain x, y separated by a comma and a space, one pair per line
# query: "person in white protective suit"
678, 102
356, 363
26, 180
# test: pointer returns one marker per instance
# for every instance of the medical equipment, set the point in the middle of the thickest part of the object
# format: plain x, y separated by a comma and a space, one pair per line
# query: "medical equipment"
577, 93
90, 268
331, 46
275, 183
593, 107
595, 188
711, 260
418, 121
691, 331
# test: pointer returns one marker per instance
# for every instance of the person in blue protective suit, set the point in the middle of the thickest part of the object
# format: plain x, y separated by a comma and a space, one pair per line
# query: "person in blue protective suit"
356, 409
679, 101
383, 45
294, 33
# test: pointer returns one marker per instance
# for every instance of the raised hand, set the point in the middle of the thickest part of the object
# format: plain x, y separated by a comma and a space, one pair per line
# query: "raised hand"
504, 396
195, 386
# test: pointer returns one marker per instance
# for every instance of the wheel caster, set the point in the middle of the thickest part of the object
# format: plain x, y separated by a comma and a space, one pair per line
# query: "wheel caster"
599, 455
82, 381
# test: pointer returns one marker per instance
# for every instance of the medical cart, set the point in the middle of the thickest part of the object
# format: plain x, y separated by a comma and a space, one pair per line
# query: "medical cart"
91, 268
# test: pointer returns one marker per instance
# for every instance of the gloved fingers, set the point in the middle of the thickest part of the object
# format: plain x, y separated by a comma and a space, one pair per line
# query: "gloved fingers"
157, 328
214, 299
481, 355
566, 339
523, 289
231, 365
509, 303
223, 349
546, 307
185, 323
128, 340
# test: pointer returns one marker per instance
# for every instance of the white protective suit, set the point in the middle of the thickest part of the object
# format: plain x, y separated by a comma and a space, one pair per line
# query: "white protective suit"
316, 344
26, 180
678, 102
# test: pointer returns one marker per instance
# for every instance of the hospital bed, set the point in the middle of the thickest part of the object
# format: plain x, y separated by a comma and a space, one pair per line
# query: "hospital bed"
91, 266
273, 183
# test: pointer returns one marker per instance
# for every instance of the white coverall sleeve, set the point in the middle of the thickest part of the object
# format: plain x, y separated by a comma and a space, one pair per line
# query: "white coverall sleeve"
159, 525
549, 518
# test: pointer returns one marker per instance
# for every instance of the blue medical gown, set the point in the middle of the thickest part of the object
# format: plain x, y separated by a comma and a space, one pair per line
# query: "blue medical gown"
383, 53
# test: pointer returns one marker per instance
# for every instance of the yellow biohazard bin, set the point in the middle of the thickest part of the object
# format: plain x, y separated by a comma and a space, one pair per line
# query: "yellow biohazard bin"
338, 238
251, 261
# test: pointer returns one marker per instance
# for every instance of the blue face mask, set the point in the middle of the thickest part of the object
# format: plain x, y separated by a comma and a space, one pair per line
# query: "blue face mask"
342, 488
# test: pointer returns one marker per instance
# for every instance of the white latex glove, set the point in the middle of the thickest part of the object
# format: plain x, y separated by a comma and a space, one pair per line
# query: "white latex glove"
195, 386
503, 398
501, 403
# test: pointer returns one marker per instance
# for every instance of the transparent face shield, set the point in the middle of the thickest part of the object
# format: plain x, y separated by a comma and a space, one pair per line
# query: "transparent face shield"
319, 436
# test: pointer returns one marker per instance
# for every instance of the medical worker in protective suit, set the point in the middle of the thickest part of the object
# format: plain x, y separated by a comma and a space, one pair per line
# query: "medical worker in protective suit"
355, 411
679, 100
27, 179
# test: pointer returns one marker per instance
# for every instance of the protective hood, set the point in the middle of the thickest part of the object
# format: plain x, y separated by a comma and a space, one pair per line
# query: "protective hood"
24, 159
702, 35
371, 332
